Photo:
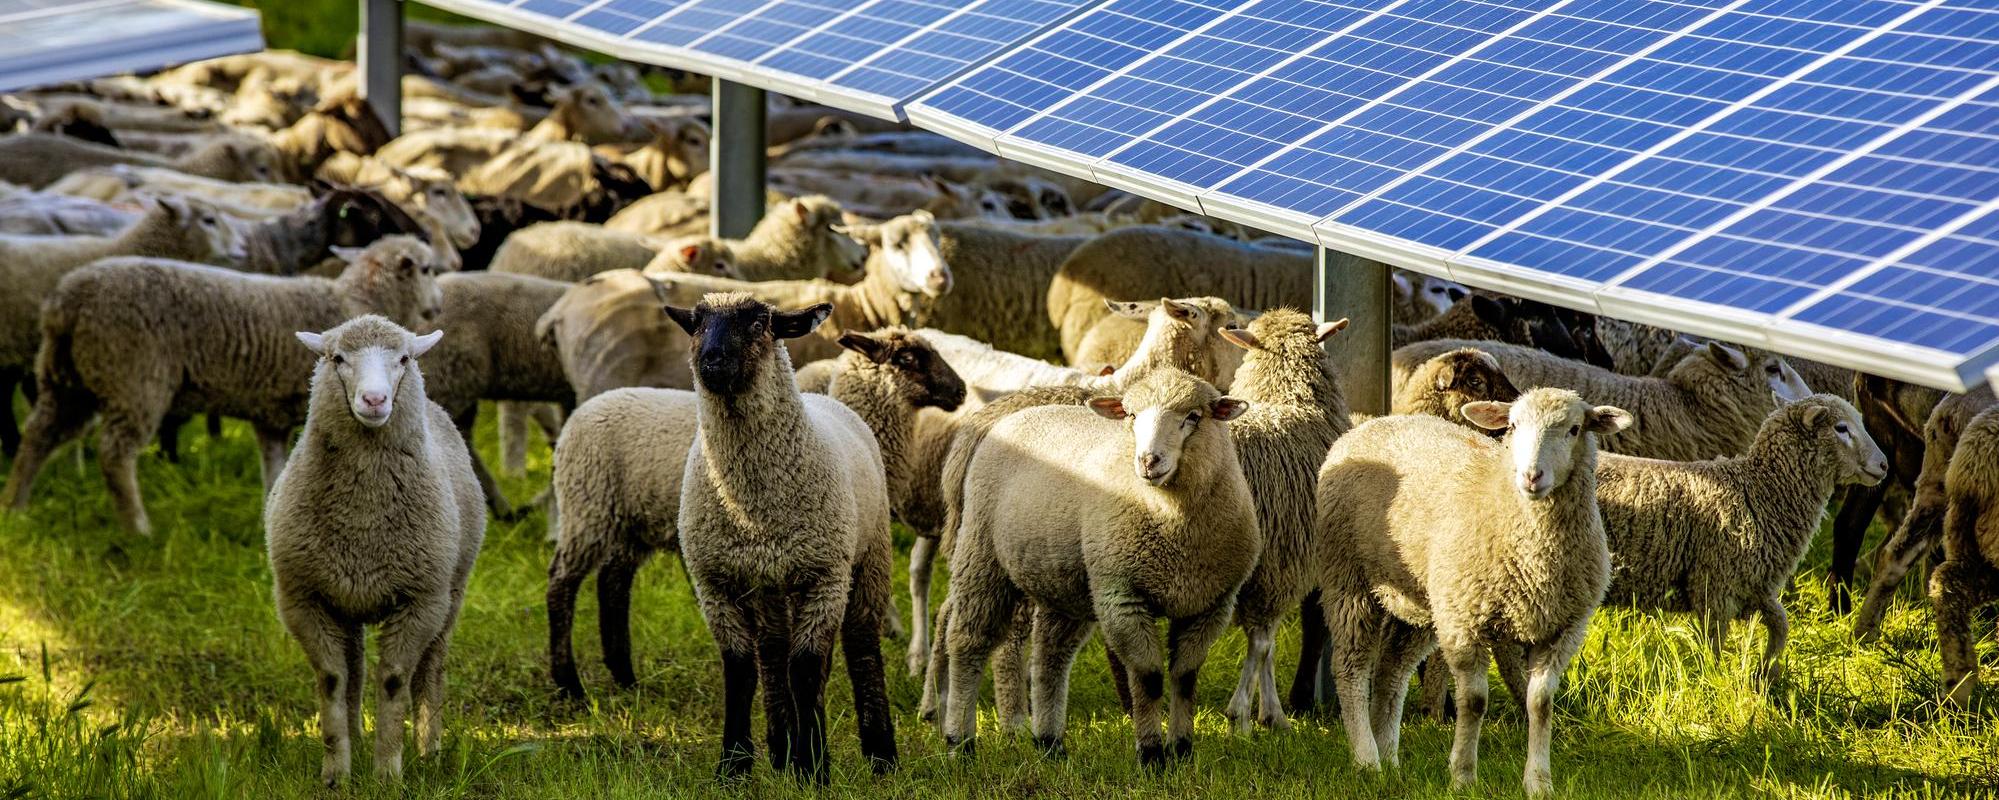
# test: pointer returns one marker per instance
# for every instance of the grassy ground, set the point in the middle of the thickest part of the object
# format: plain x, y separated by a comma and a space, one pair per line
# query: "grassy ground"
156, 668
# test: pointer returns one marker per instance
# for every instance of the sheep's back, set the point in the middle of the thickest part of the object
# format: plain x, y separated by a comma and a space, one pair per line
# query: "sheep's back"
626, 450
1177, 264
1000, 286
1973, 483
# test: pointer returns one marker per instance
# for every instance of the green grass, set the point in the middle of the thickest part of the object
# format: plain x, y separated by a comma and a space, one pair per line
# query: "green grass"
156, 668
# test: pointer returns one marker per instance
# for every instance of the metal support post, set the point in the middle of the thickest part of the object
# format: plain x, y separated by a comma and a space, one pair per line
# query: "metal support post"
381, 55
1356, 288
736, 158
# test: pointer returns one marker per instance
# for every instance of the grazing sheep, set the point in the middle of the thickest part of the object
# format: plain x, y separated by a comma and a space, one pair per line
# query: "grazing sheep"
36, 160
618, 477
1968, 578
1711, 405
1296, 411
133, 340
1923, 527
1441, 386
1164, 527
374, 521
1432, 536
572, 251
1001, 290
784, 531
1177, 264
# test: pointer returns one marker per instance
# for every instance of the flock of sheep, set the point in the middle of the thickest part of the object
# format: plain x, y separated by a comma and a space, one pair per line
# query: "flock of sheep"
1103, 412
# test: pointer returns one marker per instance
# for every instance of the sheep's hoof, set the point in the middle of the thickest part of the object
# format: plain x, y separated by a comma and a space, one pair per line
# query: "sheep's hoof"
1052, 747
960, 745
1152, 757
1182, 749
1276, 722
735, 764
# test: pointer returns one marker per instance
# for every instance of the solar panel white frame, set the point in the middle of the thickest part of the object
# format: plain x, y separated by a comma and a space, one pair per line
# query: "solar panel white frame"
117, 36
1779, 332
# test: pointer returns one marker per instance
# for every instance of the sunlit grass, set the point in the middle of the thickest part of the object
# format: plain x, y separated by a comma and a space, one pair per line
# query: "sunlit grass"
166, 674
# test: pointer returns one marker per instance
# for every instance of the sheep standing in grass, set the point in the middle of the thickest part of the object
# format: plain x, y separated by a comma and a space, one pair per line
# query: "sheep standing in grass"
1969, 576
376, 520
133, 340
1431, 535
784, 531
1923, 527
1296, 411
1163, 526
618, 474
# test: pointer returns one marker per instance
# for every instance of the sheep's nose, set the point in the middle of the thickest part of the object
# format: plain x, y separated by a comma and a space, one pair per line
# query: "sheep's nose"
940, 283
374, 399
1530, 479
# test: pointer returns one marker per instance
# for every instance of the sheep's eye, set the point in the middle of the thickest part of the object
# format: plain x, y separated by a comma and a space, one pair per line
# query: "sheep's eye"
1575, 430
405, 359
1772, 369
1841, 427
906, 359
1194, 418
339, 359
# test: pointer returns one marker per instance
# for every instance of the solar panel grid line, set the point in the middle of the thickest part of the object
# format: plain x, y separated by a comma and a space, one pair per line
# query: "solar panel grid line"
1800, 183
1892, 258
1365, 108
1682, 135
592, 6
913, 36
978, 135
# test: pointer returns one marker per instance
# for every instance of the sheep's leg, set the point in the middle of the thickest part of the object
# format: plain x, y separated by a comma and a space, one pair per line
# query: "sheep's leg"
774, 646
1270, 713
1188, 640
981, 605
1246, 681
922, 559
356, 653
1910, 544
1120, 679
1057, 639
53, 421
1958, 588
1857, 506
1778, 623
1511, 659
1434, 687
860, 641
1312, 683
513, 438
1468, 662
1129, 631
575, 558
1356, 629
1545, 665
118, 443
936, 678
327, 646
735, 630
1010, 676
614, 612
271, 445
1404, 646
10, 433
169, 437
428, 690
405, 635
819, 613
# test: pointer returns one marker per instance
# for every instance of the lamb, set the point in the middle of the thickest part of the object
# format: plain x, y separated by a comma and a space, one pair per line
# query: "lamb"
1441, 386
1924, 525
573, 251
1178, 263
1296, 411
133, 339
1165, 527
617, 478
784, 532
1710, 407
36, 160
1510, 548
1967, 579
375, 521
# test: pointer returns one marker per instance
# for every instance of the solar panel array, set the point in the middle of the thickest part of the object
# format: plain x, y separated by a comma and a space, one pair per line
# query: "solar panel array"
866, 55
1820, 178
44, 42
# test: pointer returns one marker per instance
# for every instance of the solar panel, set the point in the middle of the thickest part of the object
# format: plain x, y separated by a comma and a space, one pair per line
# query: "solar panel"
51, 41
865, 55
1816, 177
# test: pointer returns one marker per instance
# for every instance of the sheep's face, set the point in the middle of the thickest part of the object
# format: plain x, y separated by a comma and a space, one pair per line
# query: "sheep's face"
1165, 409
907, 247
204, 233
255, 162
1836, 426
842, 258
1547, 435
1438, 293
444, 203
697, 255
596, 117
733, 337
400, 276
688, 152
369, 357
1470, 376
1784, 380
919, 372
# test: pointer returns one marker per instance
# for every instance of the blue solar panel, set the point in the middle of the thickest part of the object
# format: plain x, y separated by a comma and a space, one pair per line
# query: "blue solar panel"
953, 44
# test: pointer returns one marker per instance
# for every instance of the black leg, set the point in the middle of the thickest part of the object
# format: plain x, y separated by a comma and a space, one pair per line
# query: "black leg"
564, 579
1314, 657
739, 687
773, 647
1151, 755
170, 437
10, 433
1120, 680
1856, 511
871, 710
614, 615
808, 708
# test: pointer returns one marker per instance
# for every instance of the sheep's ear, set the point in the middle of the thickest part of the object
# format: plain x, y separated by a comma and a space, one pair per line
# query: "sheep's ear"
1326, 330
864, 344
422, 344
923, 216
312, 341
1177, 309
1492, 312
1487, 414
1446, 375
1107, 370
1608, 419
1108, 407
690, 253
1130, 309
1402, 286
1228, 408
688, 319
804, 213
1726, 357
351, 255
1815, 416
793, 324
1242, 338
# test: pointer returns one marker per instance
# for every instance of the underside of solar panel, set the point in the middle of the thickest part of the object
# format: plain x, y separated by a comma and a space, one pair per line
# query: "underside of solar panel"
45, 42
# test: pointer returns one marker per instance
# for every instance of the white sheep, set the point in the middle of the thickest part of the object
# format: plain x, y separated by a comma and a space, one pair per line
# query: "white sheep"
1431, 535
784, 530
573, 251
376, 520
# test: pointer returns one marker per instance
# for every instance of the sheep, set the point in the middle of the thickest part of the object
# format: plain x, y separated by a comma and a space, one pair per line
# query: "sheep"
1296, 411
134, 340
1441, 386
1002, 284
1638, 349
43, 214
36, 160
617, 478
676, 152
299, 241
1510, 548
667, 213
1967, 579
572, 251
784, 533
997, 371
1113, 339
1165, 527
1923, 527
584, 114
1710, 407
375, 521
1177, 264
803, 238
421, 192
1505, 319
1894, 412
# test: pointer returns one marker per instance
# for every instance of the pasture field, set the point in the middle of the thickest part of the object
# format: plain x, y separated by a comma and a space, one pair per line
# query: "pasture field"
144, 668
